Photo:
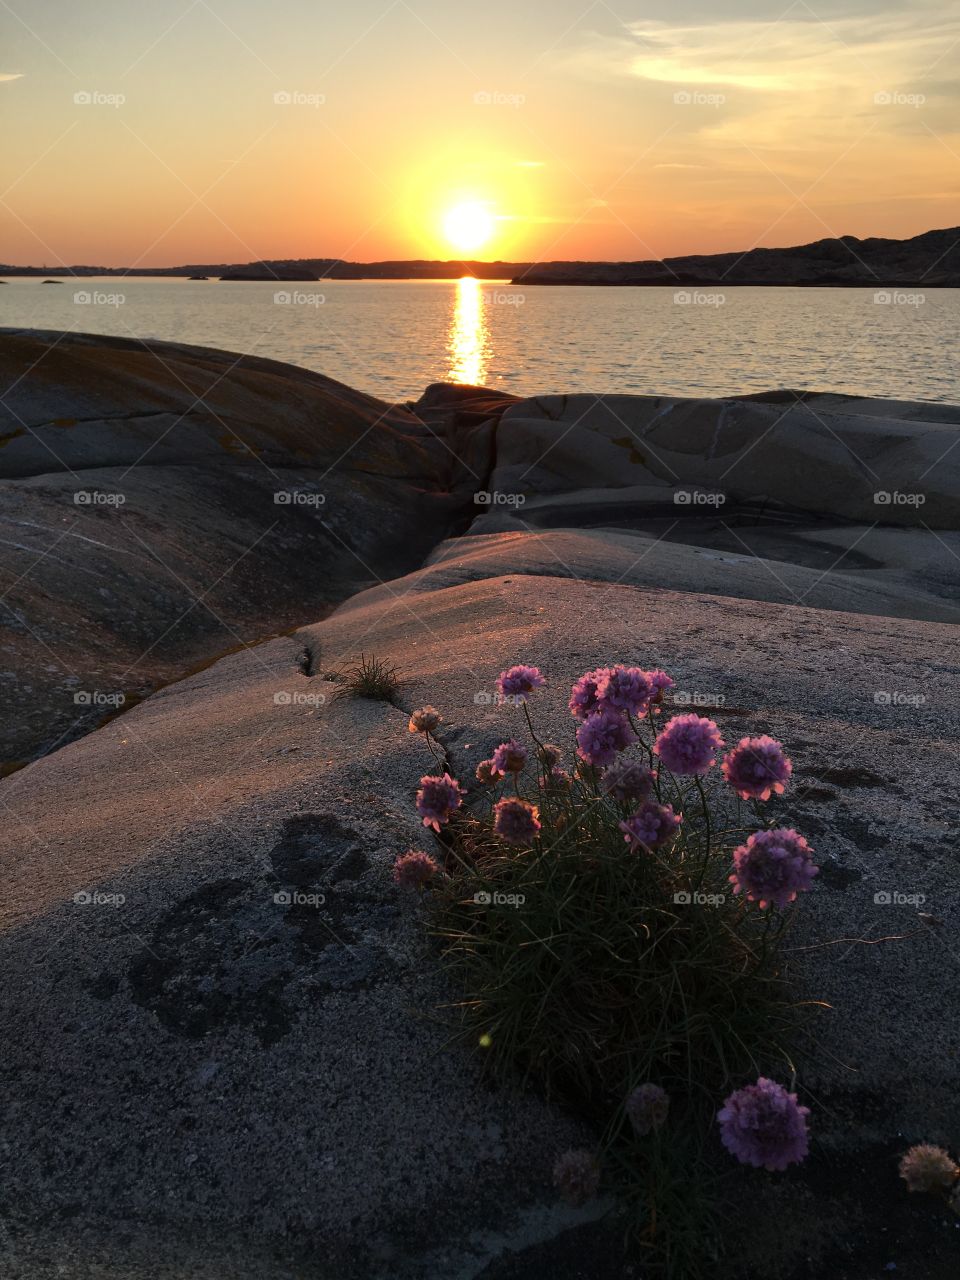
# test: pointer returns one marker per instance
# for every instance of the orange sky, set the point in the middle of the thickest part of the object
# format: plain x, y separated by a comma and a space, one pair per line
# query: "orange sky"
171, 131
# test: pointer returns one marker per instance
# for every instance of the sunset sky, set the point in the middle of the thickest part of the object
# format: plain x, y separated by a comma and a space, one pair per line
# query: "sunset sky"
232, 130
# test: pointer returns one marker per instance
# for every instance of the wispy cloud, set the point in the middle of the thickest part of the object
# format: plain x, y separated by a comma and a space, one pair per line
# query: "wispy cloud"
11, 75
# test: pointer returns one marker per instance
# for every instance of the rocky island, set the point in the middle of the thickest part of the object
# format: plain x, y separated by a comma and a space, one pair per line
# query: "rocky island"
204, 1076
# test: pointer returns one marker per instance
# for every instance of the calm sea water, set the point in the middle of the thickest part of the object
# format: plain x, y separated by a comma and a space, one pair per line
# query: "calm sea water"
393, 338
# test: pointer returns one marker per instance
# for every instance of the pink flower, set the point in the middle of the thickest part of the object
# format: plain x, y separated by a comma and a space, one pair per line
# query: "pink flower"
773, 867
757, 767
414, 869
601, 736
519, 681
576, 1175
510, 757
763, 1126
585, 694
437, 800
516, 821
625, 689
647, 1108
688, 744
652, 825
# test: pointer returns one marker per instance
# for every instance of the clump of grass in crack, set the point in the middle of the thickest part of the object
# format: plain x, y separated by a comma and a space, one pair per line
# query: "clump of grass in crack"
369, 678
598, 945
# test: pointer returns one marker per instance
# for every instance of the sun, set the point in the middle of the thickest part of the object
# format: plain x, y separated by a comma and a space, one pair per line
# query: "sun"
469, 225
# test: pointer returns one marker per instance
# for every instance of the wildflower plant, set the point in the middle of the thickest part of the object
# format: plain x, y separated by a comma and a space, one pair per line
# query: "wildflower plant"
641, 980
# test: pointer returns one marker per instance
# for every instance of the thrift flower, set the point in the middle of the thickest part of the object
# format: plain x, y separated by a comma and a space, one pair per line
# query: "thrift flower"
487, 772
763, 1126
625, 689
926, 1168
550, 755
585, 694
652, 825
660, 683
757, 767
510, 757
414, 869
688, 744
773, 867
426, 720
437, 800
517, 682
601, 736
627, 782
576, 1176
516, 821
647, 1108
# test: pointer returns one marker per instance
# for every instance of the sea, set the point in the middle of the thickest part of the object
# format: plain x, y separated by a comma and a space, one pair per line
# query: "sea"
393, 338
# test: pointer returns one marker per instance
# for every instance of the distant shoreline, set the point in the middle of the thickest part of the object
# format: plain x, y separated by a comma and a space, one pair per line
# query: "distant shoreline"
531, 281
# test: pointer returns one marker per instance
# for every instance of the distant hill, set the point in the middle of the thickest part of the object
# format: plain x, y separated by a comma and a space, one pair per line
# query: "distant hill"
930, 260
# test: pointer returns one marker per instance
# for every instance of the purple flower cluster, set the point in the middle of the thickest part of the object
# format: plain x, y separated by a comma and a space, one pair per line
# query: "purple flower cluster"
437, 800
517, 682
625, 689
763, 1126
585, 694
510, 757
516, 821
601, 736
651, 826
414, 869
757, 767
627, 782
688, 744
660, 683
773, 867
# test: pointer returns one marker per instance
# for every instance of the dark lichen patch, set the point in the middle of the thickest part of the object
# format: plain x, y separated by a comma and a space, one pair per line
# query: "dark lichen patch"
850, 776
836, 876
104, 986
212, 962
314, 848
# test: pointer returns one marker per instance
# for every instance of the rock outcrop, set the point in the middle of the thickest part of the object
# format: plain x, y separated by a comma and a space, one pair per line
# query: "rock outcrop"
225, 1034
163, 504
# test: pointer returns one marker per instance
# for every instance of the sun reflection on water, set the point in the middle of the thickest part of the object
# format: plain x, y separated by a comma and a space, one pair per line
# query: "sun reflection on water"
468, 344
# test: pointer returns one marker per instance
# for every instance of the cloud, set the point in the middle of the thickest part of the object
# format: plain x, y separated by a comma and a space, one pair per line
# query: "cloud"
794, 54
11, 75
